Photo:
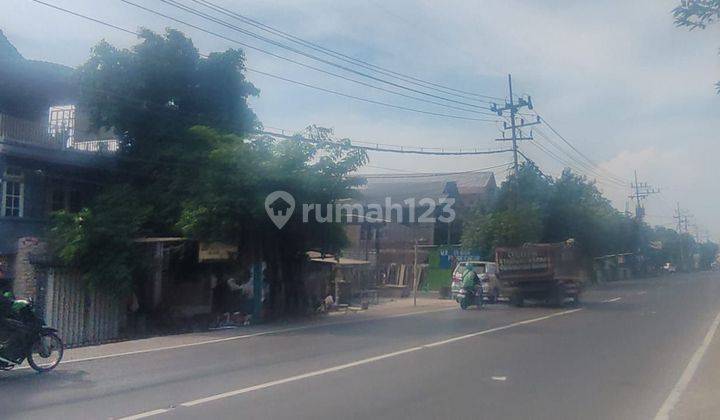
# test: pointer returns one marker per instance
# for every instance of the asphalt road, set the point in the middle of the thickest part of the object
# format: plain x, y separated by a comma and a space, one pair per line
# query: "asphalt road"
619, 356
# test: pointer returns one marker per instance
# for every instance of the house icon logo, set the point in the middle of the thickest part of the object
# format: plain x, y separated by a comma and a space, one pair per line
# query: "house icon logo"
279, 206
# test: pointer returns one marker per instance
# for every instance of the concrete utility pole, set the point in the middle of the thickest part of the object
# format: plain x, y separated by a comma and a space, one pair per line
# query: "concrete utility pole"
641, 190
415, 273
682, 228
683, 220
514, 127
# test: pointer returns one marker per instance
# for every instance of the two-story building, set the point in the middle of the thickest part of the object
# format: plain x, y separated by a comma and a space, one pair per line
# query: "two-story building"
43, 169
390, 244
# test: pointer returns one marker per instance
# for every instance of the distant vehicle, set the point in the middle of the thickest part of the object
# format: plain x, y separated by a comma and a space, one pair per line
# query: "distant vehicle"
550, 272
486, 270
669, 268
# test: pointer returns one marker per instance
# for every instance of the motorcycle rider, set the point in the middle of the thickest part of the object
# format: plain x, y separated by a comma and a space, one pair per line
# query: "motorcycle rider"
9, 324
6, 302
470, 280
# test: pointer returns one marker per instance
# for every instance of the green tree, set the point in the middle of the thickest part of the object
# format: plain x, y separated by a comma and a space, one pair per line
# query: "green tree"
99, 240
708, 252
697, 14
227, 202
188, 166
510, 227
578, 210
517, 215
150, 95
533, 207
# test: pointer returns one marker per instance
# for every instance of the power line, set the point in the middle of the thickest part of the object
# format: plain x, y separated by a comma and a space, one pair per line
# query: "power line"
86, 17
432, 174
372, 101
278, 44
587, 168
236, 28
110, 25
590, 161
343, 57
570, 166
398, 149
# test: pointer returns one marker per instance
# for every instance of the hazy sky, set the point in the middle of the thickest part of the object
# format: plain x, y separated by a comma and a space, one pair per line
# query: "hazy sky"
616, 78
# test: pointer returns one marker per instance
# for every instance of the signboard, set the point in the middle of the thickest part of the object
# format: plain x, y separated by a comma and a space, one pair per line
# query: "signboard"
216, 251
448, 257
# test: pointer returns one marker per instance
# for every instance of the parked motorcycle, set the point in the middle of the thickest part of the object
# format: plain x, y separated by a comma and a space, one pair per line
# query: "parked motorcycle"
24, 336
467, 298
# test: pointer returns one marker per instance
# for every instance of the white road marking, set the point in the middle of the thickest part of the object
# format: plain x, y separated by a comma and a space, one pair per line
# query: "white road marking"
347, 365
244, 336
688, 373
642, 292
611, 300
147, 414
499, 378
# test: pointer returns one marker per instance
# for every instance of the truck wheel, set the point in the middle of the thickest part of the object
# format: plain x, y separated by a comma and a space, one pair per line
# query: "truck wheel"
558, 298
493, 298
576, 300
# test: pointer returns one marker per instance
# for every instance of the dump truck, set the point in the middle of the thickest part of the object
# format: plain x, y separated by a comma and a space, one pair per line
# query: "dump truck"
551, 272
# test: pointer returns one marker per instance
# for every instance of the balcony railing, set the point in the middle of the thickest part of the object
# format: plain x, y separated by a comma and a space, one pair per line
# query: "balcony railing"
21, 131
96, 146
28, 132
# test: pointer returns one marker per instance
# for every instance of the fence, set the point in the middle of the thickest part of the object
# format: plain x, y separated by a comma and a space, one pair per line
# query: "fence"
81, 316
97, 146
23, 131
37, 134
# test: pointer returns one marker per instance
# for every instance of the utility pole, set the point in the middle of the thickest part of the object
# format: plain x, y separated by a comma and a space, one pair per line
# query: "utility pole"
415, 273
641, 190
682, 229
514, 127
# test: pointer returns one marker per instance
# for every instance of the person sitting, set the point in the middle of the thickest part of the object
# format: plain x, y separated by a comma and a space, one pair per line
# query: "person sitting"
8, 328
470, 280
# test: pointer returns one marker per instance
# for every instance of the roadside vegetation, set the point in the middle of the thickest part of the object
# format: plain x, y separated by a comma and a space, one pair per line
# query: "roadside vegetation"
534, 207
189, 167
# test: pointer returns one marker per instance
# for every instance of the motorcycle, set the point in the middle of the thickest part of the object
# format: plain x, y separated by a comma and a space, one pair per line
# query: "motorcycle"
467, 298
25, 337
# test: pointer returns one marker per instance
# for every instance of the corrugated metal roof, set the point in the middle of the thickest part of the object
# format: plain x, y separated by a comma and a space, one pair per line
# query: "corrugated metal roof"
431, 186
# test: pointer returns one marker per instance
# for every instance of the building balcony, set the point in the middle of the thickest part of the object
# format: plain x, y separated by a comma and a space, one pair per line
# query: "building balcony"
21, 132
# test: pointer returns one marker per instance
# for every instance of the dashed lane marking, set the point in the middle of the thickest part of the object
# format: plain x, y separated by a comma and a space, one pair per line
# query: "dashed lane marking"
345, 366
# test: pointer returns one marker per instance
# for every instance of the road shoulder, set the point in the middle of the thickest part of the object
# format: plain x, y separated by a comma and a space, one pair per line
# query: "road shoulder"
700, 399
398, 308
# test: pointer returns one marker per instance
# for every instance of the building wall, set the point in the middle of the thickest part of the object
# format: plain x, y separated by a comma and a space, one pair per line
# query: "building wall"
40, 180
32, 223
27, 274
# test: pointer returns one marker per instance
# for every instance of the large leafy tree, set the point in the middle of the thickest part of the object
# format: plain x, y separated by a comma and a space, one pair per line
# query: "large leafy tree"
517, 215
188, 165
150, 95
532, 207
227, 201
697, 14
578, 210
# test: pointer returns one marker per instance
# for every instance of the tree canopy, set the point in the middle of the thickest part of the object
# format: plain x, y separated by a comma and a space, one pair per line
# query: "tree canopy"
189, 164
697, 14
533, 207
